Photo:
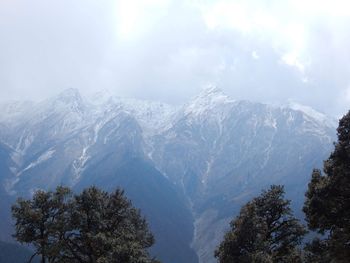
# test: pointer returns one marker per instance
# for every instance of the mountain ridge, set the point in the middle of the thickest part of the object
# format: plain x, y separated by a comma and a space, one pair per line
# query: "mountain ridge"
210, 154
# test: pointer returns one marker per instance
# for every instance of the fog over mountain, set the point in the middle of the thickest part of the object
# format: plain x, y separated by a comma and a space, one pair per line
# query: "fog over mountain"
166, 50
188, 168
191, 106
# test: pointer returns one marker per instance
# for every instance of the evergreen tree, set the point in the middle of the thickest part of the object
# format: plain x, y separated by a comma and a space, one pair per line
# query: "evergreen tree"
39, 222
265, 231
91, 227
110, 229
327, 205
317, 252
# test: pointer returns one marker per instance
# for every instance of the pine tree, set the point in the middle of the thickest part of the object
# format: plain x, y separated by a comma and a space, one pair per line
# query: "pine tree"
327, 205
110, 229
91, 227
265, 231
39, 222
317, 252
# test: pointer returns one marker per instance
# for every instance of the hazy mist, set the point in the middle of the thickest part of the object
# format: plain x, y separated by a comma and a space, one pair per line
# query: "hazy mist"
167, 50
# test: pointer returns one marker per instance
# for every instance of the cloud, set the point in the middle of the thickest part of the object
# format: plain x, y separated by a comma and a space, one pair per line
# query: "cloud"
136, 17
269, 51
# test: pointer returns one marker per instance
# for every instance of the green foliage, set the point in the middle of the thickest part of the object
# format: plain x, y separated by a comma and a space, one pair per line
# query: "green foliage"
327, 204
317, 251
94, 226
39, 221
110, 229
265, 231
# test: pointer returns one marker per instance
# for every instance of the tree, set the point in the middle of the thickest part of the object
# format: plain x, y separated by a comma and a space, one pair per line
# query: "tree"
38, 221
93, 227
317, 251
110, 229
265, 231
327, 204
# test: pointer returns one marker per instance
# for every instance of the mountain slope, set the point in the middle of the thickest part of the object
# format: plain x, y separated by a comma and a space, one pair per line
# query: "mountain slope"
68, 141
188, 168
169, 219
221, 152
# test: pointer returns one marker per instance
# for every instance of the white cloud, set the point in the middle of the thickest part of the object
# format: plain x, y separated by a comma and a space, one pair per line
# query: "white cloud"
136, 17
291, 59
255, 55
166, 49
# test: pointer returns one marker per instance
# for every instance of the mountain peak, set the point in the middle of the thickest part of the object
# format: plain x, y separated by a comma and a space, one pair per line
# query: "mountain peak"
69, 98
101, 97
314, 114
210, 98
211, 90
69, 93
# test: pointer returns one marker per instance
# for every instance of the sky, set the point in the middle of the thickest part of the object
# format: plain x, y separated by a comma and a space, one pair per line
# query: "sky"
168, 50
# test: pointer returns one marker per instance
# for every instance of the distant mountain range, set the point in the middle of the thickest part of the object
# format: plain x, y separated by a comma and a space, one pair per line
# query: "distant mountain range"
188, 168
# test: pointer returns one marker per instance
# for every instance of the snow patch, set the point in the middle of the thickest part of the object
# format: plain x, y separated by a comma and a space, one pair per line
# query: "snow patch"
42, 158
313, 114
79, 164
270, 122
208, 101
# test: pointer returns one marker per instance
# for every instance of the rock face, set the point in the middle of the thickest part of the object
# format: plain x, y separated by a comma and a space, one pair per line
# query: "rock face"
221, 152
188, 168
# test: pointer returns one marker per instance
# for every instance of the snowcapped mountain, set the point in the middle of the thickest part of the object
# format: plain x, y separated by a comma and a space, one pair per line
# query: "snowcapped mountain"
191, 166
221, 152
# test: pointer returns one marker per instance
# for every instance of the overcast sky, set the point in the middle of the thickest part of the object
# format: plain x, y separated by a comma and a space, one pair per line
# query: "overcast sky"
167, 50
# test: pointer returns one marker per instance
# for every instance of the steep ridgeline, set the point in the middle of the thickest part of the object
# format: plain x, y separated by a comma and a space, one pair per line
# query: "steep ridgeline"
188, 168
68, 141
222, 152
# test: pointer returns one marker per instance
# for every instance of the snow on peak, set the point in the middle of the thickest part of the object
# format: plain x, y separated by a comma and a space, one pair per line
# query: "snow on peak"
69, 99
69, 94
152, 116
211, 90
101, 97
314, 114
209, 99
